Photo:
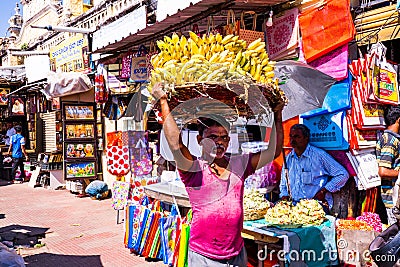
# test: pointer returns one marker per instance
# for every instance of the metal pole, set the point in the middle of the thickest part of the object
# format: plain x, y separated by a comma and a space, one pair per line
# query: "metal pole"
285, 166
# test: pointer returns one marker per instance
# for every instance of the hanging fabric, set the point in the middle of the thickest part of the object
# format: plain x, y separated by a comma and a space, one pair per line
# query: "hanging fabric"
126, 65
283, 36
168, 229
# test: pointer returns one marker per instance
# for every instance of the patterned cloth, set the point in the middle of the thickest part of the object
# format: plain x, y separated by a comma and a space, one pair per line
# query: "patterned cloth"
310, 172
120, 192
387, 155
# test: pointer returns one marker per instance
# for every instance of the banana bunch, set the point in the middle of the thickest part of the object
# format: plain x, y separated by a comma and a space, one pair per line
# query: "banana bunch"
254, 60
209, 58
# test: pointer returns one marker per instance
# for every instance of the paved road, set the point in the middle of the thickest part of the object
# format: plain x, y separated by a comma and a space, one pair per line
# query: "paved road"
78, 231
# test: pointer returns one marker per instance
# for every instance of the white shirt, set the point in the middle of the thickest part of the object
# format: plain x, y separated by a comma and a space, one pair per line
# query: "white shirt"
10, 132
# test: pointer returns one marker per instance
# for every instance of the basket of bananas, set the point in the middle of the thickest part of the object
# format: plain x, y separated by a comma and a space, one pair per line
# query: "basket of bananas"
222, 68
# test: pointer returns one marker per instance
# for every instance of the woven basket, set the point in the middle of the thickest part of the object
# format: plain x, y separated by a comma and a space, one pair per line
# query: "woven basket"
227, 99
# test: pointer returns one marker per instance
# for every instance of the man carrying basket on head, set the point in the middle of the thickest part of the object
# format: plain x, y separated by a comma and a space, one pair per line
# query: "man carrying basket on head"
215, 185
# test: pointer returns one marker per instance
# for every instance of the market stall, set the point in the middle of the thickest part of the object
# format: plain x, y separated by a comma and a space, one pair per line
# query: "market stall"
213, 64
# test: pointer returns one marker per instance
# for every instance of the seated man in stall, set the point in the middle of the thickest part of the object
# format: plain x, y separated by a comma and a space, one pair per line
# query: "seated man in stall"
312, 173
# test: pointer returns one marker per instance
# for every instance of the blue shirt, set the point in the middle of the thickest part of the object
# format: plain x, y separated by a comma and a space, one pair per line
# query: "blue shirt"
312, 171
17, 140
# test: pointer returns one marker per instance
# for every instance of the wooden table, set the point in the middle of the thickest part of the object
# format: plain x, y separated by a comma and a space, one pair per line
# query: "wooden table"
166, 193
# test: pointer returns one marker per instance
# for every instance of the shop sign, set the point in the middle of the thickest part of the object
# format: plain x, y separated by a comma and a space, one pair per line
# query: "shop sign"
139, 69
71, 55
164, 7
120, 29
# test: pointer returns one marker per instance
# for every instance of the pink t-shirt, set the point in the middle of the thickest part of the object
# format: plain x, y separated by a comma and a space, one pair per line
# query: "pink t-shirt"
217, 207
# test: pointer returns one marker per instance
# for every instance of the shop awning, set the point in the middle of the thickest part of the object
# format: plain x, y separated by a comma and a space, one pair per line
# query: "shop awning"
380, 24
12, 75
185, 18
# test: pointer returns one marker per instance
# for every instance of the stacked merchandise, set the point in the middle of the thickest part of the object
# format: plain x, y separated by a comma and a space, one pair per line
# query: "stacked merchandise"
255, 205
305, 212
154, 233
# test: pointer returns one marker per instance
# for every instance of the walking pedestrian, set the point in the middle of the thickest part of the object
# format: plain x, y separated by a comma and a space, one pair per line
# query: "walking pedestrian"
17, 151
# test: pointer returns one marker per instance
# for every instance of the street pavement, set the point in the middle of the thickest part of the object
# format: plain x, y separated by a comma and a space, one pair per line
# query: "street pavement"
78, 231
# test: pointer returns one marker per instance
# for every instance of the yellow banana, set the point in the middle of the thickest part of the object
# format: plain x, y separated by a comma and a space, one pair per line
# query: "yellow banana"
194, 49
167, 40
184, 59
227, 39
201, 50
243, 60
223, 55
211, 38
183, 42
264, 62
175, 38
268, 68
237, 58
260, 48
264, 55
194, 36
209, 55
239, 70
254, 44
214, 57
161, 45
269, 74
198, 56
252, 68
229, 46
257, 73
246, 66
218, 38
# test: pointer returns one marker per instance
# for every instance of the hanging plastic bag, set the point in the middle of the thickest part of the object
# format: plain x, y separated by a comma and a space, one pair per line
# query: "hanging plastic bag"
120, 193
139, 66
168, 230
385, 85
325, 27
117, 154
151, 242
100, 89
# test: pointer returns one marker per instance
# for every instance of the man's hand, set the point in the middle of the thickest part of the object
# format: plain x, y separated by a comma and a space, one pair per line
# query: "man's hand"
158, 92
321, 195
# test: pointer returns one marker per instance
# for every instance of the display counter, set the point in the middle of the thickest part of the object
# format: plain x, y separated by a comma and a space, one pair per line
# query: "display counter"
167, 192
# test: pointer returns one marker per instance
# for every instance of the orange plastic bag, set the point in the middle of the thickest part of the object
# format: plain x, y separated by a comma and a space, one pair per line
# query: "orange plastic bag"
325, 26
